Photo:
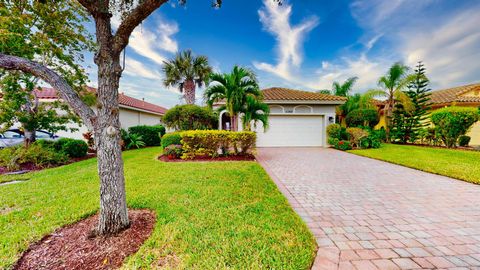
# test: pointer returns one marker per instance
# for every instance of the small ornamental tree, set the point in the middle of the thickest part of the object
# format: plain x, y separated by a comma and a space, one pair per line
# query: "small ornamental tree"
452, 122
24, 28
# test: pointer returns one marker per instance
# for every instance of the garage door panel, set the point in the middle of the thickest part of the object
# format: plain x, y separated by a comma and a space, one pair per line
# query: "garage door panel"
291, 130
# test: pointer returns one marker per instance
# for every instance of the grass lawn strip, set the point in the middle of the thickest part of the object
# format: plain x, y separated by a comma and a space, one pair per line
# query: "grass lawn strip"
460, 164
213, 215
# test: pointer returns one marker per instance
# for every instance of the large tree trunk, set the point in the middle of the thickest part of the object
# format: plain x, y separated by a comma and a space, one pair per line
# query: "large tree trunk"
113, 205
30, 137
189, 91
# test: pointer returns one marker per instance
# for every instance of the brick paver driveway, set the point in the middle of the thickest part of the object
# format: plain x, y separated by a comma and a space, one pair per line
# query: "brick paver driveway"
369, 214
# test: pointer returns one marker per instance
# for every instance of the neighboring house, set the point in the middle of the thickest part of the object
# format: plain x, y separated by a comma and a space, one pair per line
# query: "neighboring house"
133, 112
297, 118
464, 96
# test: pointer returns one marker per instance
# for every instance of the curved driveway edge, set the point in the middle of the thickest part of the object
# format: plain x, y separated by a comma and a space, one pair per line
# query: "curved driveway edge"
370, 214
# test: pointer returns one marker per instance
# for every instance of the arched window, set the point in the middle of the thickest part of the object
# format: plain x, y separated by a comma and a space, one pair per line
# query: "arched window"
303, 109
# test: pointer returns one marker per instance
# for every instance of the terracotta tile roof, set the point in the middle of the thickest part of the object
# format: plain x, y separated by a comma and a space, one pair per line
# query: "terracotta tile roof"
454, 94
50, 93
285, 94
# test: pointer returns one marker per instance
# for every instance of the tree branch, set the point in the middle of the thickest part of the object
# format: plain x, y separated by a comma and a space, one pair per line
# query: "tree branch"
89, 5
134, 18
56, 81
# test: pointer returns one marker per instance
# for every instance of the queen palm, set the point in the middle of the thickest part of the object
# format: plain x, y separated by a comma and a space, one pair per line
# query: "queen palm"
343, 89
186, 71
255, 111
392, 85
232, 88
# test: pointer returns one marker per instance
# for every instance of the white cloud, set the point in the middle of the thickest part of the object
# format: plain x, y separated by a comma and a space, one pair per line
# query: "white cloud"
153, 44
276, 20
451, 51
448, 42
136, 68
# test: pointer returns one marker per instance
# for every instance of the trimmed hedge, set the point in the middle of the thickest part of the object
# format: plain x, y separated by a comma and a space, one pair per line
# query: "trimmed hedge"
171, 138
150, 134
72, 147
452, 122
211, 143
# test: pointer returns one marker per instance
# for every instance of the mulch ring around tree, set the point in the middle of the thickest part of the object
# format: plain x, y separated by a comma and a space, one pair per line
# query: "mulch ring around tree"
209, 159
71, 247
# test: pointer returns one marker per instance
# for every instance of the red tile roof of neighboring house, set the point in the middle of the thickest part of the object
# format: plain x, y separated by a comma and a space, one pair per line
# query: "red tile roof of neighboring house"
50, 93
454, 95
285, 94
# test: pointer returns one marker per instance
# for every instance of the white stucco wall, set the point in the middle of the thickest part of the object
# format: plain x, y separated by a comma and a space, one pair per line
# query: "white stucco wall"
128, 118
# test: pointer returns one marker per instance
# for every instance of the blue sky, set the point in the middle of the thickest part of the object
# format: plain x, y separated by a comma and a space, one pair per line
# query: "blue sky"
307, 44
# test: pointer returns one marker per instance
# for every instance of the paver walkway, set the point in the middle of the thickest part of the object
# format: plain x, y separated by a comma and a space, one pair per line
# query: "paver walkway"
369, 214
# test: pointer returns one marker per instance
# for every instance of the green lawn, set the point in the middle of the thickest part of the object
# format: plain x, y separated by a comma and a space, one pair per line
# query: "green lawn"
209, 215
460, 164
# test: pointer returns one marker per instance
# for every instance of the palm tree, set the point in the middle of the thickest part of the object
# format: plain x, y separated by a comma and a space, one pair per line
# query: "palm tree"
358, 101
186, 71
345, 88
233, 89
392, 85
255, 111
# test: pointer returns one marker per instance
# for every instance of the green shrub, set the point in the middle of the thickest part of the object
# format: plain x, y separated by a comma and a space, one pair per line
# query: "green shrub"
46, 143
134, 141
210, 142
150, 134
75, 148
175, 150
41, 156
343, 145
463, 140
190, 117
72, 147
171, 138
336, 131
333, 141
362, 118
355, 135
452, 122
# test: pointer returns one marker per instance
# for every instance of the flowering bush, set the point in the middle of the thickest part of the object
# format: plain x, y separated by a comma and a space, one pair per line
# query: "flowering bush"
210, 142
173, 151
343, 145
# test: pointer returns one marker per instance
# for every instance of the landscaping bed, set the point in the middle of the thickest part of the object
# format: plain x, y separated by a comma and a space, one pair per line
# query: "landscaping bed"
460, 164
209, 215
248, 157
30, 166
71, 247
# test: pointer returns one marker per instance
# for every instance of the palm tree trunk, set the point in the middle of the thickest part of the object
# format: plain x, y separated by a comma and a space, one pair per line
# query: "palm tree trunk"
189, 91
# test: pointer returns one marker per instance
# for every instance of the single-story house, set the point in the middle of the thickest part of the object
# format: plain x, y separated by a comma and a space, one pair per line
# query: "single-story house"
464, 96
297, 118
133, 111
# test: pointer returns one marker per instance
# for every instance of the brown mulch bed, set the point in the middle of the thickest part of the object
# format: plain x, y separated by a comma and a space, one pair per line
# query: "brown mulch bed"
209, 159
31, 167
71, 248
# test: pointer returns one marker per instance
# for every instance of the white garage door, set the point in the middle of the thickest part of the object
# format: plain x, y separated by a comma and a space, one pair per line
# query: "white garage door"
292, 130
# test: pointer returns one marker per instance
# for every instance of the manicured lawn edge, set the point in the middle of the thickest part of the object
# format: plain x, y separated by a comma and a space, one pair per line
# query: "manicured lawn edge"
447, 159
211, 215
